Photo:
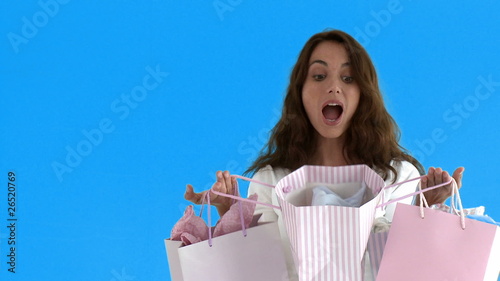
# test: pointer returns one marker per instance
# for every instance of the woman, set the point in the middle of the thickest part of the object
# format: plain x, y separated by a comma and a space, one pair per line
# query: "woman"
333, 115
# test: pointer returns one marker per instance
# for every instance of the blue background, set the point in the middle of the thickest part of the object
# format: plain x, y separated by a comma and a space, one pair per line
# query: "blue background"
68, 68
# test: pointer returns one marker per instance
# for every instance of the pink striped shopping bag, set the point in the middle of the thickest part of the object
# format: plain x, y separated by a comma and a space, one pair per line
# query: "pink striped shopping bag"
328, 242
376, 245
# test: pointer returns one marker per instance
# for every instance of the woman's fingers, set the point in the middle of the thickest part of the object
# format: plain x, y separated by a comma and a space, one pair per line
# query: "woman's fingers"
225, 187
229, 182
447, 177
430, 177
233, 183
424, 183
190, 195
214, 198
224, 184
220, 178
457, 175
197, 198
436, 176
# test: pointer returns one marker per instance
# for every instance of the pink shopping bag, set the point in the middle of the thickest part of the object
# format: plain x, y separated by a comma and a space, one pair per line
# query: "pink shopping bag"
431, 245
328, 242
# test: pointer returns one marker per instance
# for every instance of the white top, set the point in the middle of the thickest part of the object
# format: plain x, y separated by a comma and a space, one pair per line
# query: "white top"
272, 175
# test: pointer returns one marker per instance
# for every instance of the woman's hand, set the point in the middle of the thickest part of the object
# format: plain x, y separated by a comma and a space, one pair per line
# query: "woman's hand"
224, 184
437, 176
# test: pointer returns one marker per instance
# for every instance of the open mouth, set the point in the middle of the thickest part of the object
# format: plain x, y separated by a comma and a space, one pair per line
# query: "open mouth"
332, 111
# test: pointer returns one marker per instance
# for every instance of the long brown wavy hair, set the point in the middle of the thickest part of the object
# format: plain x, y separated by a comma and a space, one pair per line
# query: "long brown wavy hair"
372, 137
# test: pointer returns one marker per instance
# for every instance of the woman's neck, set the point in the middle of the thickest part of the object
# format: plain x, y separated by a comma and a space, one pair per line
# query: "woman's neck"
329, 153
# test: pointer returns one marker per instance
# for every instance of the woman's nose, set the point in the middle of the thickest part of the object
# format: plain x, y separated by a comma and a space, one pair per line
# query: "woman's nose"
334, 86
335, 90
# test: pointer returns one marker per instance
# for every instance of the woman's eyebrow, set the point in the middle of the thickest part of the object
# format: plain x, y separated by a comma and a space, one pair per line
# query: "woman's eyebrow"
345, 64
320, 62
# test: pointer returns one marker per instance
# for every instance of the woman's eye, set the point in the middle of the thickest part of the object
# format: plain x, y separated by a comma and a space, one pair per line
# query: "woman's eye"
347, 79
319, 77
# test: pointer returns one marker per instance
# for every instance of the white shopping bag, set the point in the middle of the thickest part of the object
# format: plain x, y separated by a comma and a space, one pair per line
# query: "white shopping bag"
256, 256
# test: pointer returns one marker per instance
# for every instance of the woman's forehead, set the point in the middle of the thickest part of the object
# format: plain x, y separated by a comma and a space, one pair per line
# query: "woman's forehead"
330, 53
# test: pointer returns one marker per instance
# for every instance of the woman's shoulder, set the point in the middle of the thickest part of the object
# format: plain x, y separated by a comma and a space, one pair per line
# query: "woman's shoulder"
405, 170
403, 165
270, 174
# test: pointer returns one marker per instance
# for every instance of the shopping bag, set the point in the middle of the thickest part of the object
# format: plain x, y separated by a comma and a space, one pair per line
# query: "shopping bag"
376, 245
328, 242
431, 245
256, 256
381, 227
345, 181
254, 253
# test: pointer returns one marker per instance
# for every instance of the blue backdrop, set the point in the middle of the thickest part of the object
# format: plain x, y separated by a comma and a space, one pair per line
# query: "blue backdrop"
109, 108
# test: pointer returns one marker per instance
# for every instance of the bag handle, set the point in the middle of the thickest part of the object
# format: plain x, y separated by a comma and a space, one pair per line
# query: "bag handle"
209, 216
239, 198
456, 201
420, 191
455, 196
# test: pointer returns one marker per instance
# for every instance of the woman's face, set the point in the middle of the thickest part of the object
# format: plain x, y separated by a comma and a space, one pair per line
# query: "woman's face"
330, 94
